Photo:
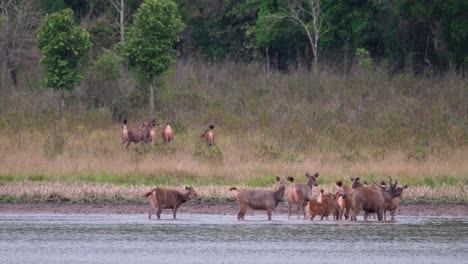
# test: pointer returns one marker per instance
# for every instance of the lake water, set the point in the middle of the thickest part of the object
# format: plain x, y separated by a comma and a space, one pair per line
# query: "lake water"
83, 238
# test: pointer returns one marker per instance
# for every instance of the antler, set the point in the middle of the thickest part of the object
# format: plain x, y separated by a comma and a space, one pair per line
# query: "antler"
378, 184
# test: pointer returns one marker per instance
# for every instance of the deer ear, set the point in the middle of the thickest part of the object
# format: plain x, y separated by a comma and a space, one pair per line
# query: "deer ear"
307, 174
357, 179
316, 175
278, 178
187, 188
352, 179
405, 186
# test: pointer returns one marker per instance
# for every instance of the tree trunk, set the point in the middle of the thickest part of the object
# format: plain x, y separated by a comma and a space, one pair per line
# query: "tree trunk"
152, 98
61, 102
267, 61
122, 7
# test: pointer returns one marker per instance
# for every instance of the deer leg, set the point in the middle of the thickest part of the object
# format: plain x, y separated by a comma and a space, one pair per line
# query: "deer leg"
269, 214
174, 211
150, 212
160, 208
290, 207
392, 213
242, 210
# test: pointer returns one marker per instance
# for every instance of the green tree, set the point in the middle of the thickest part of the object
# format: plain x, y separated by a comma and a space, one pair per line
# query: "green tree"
149, 41
64, 46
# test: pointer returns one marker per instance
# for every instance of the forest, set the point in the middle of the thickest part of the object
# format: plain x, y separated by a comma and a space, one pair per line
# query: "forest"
351, 87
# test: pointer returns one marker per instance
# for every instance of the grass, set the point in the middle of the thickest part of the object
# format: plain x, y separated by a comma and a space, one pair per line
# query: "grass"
361, 125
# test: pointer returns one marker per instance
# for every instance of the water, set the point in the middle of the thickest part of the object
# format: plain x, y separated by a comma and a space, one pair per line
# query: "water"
81, 238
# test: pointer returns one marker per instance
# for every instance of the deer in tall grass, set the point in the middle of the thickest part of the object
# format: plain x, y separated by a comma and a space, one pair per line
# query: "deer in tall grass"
168, 133
169, 199
209, 136
259, 199
135, 135
299, 194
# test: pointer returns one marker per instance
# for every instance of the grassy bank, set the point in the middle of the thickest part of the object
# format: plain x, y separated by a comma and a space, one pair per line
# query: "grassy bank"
83, 192
366, 124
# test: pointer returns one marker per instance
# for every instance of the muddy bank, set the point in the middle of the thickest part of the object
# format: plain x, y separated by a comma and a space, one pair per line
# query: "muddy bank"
203, 207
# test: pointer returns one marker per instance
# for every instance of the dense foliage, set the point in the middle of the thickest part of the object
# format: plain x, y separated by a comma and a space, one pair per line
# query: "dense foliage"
64, 45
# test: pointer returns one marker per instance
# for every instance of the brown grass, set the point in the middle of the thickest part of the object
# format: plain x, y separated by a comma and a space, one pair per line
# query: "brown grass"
110, 192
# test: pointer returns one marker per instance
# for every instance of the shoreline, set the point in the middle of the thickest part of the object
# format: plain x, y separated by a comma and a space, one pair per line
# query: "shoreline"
202, 207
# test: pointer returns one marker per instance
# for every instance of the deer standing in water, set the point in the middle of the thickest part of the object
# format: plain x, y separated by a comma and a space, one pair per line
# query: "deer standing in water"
259, 199
300, 194
169, 199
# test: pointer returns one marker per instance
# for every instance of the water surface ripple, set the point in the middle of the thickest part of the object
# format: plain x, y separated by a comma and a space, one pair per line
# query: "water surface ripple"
84, 238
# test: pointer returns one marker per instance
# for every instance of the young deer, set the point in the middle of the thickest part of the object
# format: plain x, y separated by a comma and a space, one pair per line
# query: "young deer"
324, 208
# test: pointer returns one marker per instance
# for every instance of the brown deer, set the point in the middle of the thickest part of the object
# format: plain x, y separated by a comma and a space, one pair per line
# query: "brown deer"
393, 204
152, 131
209, 136
336, 202
300, 194
124, 132
168, 133
373, 200
346, 192
259, 199
135, 135
330, 203
169, 199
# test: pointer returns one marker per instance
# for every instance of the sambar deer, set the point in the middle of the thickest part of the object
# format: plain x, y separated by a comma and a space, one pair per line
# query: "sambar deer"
299, 194
168, 133
169, 199
373, 200
135, 135
259, 199
209, 136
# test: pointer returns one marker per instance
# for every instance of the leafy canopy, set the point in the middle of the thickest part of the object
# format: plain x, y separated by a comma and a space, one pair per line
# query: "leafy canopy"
64, 46
149, 40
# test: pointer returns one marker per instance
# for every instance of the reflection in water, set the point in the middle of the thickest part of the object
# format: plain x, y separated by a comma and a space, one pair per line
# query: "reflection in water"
57, 238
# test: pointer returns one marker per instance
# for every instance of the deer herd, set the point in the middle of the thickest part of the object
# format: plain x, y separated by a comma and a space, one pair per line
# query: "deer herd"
347, 201
146, 133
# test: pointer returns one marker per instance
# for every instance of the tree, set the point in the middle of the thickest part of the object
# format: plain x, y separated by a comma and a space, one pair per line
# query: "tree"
149, 41
19, 20
119, 5
64, 46
307, 15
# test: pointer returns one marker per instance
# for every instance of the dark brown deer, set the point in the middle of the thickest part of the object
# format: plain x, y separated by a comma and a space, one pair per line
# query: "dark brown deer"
259, 199
168, 133
209, 136
373, 200
300, 194
169, 199
135, 135
393, 204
